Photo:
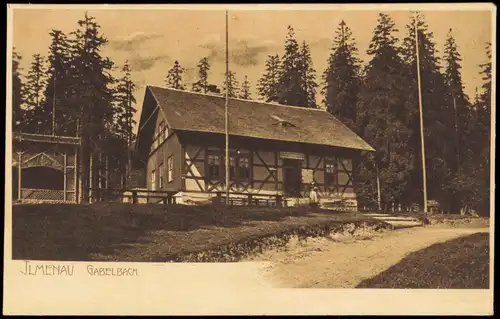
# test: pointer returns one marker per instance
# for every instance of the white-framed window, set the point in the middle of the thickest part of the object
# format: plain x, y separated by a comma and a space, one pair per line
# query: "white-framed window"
160, 132
214, 163
330, 168
170, 163
239, 167
331, 171
153, 180
160, 135
161, 173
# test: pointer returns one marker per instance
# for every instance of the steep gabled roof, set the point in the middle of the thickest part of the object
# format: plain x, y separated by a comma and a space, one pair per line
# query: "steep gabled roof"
189, 111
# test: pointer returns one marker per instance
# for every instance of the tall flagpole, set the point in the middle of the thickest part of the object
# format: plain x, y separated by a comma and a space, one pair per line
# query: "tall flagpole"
424, 178
54, 106
226, 112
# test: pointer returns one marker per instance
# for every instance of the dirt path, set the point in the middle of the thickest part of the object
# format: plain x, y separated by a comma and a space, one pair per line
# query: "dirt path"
324, 263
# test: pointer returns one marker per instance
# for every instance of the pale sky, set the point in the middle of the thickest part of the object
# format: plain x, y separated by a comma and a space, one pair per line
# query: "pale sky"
153, 39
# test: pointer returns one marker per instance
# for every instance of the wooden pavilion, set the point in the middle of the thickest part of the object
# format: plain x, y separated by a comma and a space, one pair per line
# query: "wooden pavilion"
44, 168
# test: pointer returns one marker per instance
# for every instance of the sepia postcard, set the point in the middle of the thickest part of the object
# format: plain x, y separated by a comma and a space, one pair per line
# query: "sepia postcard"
257, 159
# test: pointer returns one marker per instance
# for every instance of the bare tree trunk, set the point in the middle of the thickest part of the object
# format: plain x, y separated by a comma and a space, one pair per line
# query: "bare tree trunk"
106, 173
84, 164
91, 184
101, 181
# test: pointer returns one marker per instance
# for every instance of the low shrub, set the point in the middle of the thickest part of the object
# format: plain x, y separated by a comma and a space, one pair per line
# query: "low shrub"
458, 220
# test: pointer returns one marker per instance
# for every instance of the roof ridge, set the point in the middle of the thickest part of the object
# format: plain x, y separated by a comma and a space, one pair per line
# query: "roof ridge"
239, 99
255, 119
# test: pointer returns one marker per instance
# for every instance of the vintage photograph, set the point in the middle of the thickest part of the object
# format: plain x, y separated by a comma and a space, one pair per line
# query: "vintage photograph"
344, 148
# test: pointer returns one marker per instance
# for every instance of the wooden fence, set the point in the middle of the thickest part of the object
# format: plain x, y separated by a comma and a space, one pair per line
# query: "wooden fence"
138, 196
134, 196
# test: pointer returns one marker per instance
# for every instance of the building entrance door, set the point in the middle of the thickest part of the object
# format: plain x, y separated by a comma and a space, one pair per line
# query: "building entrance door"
292, 177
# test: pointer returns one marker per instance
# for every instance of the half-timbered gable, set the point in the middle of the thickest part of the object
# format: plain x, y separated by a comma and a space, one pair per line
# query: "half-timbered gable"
165, 163
273, 149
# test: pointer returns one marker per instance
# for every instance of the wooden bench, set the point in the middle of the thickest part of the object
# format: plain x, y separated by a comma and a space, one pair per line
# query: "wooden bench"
339, 204
242, 199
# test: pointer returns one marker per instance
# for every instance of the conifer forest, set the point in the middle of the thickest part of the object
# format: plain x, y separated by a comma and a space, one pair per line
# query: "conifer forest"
72, 89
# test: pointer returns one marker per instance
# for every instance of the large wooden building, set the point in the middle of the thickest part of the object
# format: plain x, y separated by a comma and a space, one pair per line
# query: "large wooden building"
273, 149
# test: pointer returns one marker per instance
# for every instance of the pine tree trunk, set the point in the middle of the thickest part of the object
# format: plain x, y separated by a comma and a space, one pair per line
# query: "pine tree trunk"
84, 164
101, 181
91, 186
106, 173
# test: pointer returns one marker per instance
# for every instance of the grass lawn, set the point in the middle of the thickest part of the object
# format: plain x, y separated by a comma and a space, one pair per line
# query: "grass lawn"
458, 263
150, 232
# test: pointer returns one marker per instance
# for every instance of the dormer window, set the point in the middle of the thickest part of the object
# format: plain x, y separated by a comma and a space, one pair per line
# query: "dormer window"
282, 122
285, 124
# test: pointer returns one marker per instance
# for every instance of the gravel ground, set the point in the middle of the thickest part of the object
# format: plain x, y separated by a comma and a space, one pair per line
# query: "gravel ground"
344, 261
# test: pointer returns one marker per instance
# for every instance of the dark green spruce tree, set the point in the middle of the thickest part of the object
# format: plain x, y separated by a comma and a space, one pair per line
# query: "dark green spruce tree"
268, 85
56, 92
93, 93
202, 84
231, 85
380, 109
291, 89
38, 118
484, 105
121, 137
174, 76
245, 89
483, 136
307, 77
460, 107
461, 111
341, 79
17, 94
125, 101
436, 104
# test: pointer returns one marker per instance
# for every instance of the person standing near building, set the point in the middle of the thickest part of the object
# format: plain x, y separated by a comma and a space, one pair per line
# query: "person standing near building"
313, 195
